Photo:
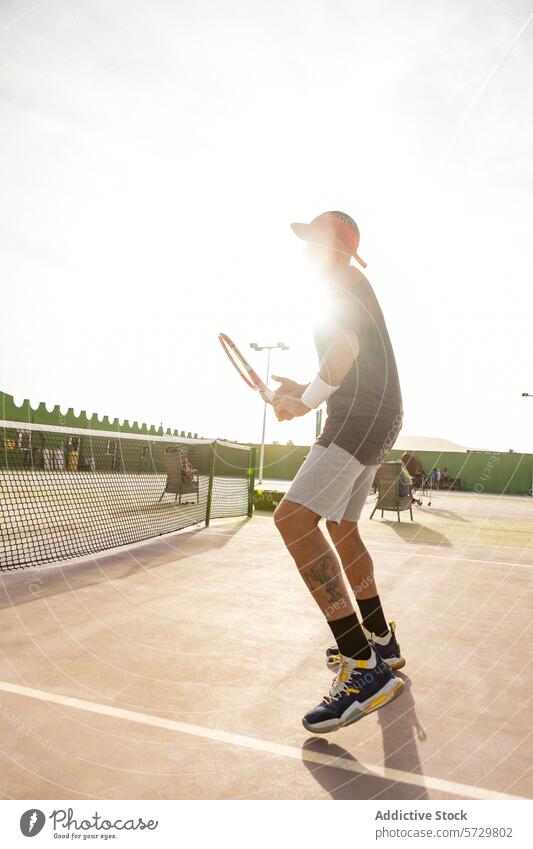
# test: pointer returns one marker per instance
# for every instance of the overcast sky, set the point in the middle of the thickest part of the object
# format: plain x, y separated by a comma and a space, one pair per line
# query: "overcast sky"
152, 155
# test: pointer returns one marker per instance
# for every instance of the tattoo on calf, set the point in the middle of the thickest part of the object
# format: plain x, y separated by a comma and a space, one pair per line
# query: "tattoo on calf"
324, 575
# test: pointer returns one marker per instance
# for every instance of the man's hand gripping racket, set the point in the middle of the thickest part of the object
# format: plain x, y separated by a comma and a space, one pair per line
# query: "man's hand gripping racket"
285, 400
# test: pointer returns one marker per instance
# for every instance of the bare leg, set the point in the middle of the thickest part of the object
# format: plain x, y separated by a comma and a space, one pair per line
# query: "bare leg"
316, 561
355, 558
323, 575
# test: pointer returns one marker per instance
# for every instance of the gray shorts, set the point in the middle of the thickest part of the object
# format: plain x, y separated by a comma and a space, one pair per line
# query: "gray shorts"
332, 483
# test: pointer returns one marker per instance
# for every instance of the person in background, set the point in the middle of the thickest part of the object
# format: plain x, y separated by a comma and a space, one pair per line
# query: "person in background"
406, 482
436, 477
187, 468
412, 464
445, 475
415, 469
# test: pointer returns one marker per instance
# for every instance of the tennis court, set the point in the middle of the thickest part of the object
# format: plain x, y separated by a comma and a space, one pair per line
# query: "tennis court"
180, 667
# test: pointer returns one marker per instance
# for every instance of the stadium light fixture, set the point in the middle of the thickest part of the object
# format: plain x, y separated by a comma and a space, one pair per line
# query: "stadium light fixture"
282, 347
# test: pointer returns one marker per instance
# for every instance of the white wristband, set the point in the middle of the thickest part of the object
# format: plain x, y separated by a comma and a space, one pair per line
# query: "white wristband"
317, 392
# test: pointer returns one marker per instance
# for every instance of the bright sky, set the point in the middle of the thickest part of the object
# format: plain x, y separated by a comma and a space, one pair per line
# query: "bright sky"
153, 153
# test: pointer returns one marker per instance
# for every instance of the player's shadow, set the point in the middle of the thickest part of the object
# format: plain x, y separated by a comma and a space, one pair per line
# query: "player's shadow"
344, 777
419, 534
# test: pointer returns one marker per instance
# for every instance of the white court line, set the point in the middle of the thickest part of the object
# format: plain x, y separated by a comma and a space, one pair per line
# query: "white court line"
270, 748
419, 540
458, 559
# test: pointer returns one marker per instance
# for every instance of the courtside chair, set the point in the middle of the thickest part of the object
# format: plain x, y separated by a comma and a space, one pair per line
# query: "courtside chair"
176, 482
388, 485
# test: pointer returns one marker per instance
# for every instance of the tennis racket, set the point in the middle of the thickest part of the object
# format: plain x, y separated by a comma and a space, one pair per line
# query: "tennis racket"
244, 368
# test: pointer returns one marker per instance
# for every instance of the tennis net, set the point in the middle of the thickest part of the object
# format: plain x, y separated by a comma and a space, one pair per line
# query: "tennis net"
68, 492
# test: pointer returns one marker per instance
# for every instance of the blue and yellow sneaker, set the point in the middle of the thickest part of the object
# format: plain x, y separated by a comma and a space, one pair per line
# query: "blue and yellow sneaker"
359, 688
386, 647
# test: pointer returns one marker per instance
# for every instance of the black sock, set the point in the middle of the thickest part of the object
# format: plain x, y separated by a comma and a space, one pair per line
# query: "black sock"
350, 637
372, 615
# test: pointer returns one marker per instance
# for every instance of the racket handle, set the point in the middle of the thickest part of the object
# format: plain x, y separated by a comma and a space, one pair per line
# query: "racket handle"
267, 395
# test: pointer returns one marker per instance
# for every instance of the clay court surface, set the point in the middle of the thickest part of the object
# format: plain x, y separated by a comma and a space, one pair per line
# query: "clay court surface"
181, 668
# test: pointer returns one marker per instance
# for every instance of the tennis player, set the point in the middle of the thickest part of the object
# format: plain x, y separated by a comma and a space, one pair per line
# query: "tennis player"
359, 380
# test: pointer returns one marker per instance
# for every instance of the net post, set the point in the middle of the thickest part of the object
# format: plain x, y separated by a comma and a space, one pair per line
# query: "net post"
251, 481
212, 456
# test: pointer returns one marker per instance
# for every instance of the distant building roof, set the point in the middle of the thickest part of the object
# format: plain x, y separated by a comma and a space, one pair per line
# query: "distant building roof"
427, 443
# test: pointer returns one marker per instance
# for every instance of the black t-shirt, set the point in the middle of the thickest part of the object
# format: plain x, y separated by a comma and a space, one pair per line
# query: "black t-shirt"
364, 415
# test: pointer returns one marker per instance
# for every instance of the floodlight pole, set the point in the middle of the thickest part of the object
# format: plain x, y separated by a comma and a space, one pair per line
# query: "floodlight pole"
283, 347
262, 452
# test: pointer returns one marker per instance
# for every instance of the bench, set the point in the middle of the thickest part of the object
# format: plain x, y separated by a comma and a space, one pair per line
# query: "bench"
452, 483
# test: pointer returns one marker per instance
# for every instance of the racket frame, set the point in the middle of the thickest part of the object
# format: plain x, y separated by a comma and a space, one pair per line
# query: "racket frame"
249, 375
